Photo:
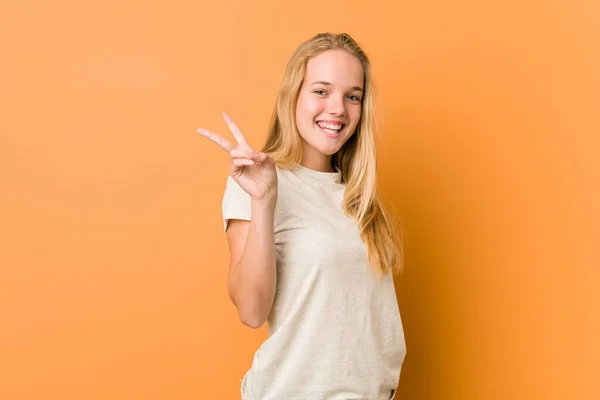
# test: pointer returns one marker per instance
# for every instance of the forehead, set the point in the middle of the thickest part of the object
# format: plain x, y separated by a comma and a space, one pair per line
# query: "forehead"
337, 67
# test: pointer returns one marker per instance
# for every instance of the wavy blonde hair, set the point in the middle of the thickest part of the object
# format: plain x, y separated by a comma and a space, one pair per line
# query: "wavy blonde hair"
356, 159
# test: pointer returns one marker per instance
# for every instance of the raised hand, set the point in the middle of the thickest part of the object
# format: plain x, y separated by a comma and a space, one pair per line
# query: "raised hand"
254, 172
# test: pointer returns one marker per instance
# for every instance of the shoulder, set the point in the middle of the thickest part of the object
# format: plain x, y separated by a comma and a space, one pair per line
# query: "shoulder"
284, 174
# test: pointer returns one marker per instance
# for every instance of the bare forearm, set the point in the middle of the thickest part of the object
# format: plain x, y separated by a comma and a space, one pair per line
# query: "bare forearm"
253, 279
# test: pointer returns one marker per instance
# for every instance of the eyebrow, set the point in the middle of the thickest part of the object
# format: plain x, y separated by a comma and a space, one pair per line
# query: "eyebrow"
328, 83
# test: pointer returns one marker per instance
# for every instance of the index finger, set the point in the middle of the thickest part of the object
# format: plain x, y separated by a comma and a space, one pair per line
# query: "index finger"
218, 139
239, 136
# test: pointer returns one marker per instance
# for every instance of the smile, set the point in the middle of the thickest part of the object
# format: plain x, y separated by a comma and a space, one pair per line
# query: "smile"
330, 129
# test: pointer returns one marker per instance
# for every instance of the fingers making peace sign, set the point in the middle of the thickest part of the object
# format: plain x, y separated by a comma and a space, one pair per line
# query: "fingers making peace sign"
254, 172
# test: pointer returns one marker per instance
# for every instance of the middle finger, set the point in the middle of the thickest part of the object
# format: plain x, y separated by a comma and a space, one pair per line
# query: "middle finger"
239, 136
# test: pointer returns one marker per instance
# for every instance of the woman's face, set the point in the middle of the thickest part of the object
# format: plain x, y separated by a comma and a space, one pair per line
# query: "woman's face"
329, 102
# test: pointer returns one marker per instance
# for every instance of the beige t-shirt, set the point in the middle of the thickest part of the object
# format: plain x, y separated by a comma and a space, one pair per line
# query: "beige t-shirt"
335, 331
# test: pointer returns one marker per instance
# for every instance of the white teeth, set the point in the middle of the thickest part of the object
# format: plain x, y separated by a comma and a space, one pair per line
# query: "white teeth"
334, 127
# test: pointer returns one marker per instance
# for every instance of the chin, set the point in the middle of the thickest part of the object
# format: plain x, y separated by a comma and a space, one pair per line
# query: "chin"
329, 152
326, 149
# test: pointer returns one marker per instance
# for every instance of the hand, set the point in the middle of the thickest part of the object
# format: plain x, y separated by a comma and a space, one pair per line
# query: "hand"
254, 172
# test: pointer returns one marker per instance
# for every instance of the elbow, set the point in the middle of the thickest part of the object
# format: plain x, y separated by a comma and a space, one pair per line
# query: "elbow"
252, 321
253, 317
252, 312
248, 317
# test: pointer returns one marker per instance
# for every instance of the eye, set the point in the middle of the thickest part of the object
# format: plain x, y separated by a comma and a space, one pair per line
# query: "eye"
320, 92
353, 97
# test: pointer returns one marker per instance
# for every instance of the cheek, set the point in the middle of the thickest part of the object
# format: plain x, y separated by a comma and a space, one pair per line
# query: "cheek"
307, 107
355, 115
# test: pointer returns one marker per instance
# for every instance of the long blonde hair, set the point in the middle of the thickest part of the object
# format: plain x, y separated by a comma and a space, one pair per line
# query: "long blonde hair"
356, 159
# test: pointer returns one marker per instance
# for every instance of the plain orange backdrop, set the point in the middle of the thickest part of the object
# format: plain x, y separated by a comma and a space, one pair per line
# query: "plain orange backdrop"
112, 256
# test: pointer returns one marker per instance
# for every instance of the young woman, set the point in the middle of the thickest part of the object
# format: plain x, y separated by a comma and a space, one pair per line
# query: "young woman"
312, 249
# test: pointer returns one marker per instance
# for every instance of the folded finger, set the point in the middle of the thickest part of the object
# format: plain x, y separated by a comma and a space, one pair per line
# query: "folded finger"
241, 162
243, 153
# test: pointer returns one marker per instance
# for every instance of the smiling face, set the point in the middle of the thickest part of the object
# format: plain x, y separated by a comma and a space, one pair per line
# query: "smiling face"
329, 105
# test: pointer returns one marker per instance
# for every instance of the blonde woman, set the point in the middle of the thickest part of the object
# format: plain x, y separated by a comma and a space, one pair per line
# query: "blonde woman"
312, 249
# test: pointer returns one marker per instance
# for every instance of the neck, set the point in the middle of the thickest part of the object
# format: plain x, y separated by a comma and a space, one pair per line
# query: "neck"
315, 160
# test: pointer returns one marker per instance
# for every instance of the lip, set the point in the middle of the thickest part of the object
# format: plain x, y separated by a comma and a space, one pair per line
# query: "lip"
331, 135
331, 121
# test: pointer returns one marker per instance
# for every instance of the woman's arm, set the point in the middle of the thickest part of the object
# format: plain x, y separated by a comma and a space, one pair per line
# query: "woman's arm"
252, 273
252, 278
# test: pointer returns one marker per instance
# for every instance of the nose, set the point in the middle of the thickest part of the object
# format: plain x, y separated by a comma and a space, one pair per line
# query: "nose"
336, 106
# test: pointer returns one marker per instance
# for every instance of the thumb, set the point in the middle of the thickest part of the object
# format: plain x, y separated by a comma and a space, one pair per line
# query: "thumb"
264, 159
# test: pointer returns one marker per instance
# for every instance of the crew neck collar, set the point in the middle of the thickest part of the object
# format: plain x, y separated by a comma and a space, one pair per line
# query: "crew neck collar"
332, 177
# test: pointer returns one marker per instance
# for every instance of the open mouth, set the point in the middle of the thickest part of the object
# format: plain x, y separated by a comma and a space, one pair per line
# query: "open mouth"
329, 128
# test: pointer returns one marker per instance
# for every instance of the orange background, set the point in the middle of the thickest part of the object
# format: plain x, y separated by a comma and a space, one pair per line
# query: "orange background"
113, 260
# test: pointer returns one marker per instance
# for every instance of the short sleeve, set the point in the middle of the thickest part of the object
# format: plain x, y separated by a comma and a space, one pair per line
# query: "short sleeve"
236, 202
